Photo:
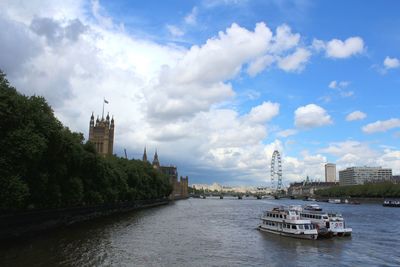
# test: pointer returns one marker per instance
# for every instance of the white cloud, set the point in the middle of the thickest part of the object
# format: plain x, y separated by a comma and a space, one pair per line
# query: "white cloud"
175, 31
260, 64
99, 13
381, 126
390, 159
287, 133
311, 116
333, 84
391, 63
356, 115
284, 39
264, 112
191, 18
346, 93
336, 48
338, 85
199, 78
295, 61
284, 49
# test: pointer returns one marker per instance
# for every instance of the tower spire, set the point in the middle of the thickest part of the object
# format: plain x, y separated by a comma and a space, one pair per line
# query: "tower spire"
145, 155
156, 162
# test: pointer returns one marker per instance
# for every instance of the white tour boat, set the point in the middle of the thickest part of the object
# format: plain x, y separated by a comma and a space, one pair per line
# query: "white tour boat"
287, 222
327, 224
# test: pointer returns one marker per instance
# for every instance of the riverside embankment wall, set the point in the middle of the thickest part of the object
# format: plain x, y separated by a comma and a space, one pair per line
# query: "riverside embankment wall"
17, 224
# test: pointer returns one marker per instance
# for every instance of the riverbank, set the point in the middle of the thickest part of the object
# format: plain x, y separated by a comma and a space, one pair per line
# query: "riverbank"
352, 200
27, 223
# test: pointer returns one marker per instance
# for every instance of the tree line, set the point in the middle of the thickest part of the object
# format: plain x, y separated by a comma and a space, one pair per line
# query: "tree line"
45, 165
371, 190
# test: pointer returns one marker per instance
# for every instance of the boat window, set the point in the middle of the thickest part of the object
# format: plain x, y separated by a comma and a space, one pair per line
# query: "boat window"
325, 217
318, 217
293, 226
306, 226
300, 226
281, 216
285, 216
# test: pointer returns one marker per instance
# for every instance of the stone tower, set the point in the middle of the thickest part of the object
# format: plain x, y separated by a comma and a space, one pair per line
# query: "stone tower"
144, 155
184, 184
156, 162
101, 134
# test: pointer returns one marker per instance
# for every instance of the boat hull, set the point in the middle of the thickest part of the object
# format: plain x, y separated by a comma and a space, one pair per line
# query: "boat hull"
300, 236
343, 232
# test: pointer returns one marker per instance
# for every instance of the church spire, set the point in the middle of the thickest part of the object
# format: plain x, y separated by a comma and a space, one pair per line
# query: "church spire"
145, 155
156, 162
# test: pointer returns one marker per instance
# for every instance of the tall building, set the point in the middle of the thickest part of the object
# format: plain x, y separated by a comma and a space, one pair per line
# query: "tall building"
101, 134
361, 175
330, 172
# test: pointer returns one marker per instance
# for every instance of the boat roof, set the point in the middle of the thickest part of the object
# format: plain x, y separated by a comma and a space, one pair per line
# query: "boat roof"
314, 212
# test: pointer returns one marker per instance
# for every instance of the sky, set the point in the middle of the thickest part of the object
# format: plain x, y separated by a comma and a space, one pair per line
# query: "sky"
215, 86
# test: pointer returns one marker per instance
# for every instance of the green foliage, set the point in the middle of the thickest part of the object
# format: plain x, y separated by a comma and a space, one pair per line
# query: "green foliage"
44, 165
366, 190
13, 192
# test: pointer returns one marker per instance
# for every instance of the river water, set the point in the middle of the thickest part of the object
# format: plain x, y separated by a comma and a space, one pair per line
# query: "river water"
210, 232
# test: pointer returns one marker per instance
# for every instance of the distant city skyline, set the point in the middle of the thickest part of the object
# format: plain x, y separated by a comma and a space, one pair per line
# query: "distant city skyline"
217, 86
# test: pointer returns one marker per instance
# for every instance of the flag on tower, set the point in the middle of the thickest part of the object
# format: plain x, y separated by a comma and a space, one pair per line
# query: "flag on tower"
105, 101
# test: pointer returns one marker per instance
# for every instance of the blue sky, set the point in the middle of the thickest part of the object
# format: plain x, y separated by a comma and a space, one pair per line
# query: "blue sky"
217, 86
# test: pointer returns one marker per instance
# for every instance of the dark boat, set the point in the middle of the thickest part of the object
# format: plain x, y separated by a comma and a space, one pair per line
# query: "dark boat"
391, 203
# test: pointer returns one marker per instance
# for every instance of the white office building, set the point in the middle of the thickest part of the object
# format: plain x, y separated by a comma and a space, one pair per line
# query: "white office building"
361, 175
330, 172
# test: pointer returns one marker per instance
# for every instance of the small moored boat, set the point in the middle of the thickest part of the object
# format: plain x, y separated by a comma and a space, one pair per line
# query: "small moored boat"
334, 201
313, 207
391, 203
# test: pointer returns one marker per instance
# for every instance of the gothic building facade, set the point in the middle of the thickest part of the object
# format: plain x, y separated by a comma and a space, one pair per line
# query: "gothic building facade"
179, 188
101, 134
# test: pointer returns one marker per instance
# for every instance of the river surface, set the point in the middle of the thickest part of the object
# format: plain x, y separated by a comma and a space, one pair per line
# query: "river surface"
210, 232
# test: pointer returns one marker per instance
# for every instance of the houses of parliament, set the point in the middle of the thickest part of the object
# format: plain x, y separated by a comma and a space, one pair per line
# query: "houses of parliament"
101, 134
